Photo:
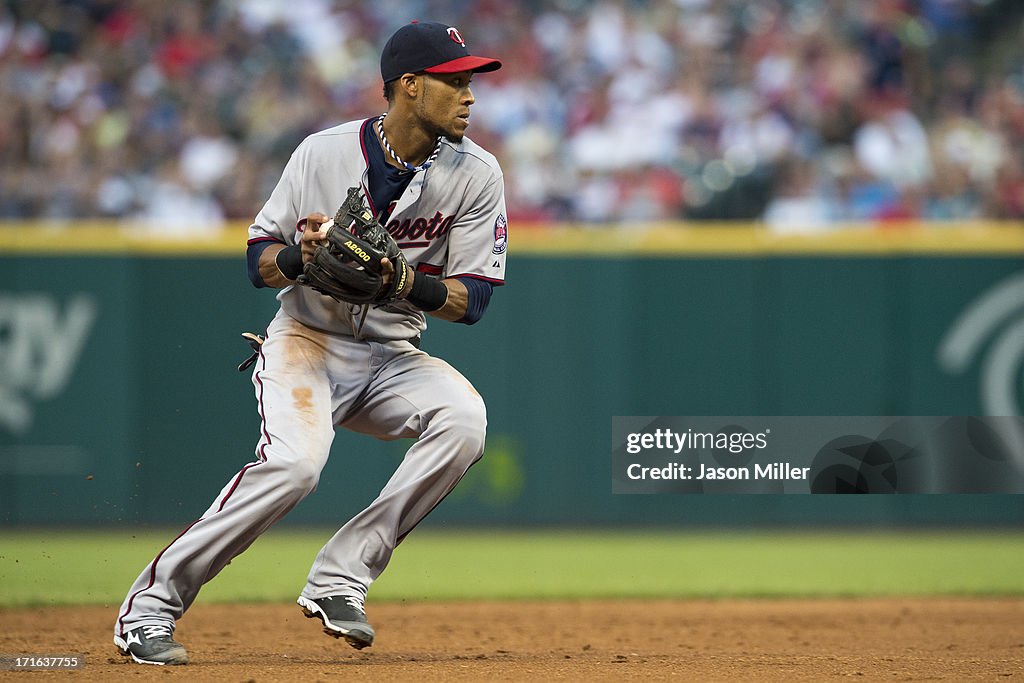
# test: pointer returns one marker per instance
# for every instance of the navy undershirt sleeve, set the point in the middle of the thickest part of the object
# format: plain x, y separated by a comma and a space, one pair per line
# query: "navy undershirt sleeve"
252, 260
478, 296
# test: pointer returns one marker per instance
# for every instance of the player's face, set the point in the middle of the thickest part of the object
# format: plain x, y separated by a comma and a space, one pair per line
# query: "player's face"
444, 105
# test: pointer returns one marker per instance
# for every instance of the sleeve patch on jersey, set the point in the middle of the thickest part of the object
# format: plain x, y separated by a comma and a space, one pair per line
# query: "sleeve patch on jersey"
500, 234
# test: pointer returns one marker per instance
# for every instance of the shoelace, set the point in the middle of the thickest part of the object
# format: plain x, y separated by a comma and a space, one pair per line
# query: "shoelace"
160, 631
352, 601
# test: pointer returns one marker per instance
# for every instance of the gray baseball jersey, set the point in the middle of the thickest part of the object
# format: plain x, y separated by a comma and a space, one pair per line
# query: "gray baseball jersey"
318, 370
449, 222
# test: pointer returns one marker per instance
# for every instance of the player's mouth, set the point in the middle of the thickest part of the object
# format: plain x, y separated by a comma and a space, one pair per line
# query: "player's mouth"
464, 118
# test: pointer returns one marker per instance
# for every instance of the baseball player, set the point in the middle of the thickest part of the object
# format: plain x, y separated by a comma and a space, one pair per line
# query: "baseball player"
327, 363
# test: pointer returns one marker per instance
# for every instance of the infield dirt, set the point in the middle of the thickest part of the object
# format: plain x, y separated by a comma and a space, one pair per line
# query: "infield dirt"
729, 640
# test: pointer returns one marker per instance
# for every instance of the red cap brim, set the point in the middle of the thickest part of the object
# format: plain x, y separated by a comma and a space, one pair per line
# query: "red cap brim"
468, 63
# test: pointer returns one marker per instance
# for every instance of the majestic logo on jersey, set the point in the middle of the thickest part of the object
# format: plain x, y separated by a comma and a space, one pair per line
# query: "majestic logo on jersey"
500, 234
454, 34
420, 232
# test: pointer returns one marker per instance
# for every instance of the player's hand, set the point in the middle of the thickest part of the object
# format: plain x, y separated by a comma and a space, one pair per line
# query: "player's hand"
387, 272
312, 235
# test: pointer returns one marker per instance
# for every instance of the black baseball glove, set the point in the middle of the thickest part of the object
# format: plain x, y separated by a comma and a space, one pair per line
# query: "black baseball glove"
348, 266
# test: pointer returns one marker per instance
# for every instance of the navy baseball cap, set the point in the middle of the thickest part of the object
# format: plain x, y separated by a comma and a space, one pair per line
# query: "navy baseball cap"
431, 47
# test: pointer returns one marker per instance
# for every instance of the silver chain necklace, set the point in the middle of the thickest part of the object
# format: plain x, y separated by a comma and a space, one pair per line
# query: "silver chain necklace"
394, 155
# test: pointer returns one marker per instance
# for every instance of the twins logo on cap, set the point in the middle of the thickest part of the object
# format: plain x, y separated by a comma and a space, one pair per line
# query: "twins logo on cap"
426, 46
454, 34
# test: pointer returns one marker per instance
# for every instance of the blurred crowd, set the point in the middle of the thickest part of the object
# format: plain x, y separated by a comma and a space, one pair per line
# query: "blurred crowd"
802, 113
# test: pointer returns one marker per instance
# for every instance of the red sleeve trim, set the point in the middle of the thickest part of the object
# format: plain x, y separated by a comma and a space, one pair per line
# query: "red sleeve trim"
429, 269
474, 276
257, 240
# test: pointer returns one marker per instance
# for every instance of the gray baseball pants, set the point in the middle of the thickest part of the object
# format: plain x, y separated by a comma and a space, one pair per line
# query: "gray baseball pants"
307, 382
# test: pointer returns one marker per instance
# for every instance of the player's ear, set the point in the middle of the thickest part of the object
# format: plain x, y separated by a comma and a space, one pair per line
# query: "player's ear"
410, 83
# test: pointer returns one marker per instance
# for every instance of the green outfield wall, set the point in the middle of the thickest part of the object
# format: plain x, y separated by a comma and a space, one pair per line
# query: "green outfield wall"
120, 402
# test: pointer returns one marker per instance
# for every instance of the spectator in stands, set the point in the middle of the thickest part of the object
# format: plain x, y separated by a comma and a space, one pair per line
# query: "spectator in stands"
608, 111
